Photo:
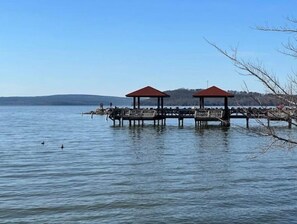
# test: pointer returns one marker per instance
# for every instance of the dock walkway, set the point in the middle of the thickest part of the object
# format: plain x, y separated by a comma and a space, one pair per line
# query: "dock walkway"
200, 116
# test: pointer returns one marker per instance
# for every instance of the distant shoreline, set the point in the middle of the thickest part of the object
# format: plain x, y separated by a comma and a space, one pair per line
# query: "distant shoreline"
65, 100
182, 97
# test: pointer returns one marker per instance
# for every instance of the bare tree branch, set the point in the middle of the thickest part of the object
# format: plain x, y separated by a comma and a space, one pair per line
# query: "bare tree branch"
285, 93
280, 29
290, 49
257, 71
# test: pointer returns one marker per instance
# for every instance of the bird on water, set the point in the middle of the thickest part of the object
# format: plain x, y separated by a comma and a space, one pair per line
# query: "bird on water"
62, 146
42, 143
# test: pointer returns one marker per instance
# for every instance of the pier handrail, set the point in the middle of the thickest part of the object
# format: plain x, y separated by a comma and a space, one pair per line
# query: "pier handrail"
212, 113
201, 113
139, 113
148, 113
279, 114
215, 113
135, 112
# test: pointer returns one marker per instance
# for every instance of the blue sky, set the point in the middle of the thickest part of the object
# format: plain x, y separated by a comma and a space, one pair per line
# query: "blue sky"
113, 47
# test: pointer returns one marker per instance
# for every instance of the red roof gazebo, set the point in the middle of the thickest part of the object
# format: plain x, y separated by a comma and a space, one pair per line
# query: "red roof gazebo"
147, 92
213, 92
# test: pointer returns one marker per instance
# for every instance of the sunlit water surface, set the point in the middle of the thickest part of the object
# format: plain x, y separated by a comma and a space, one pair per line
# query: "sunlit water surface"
146, 174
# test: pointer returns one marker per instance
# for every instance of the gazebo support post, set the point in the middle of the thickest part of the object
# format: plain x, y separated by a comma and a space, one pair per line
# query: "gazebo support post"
162, 106
134, 102
158, 108
138, 102
162, 110
226, 112
226, 109
201, 102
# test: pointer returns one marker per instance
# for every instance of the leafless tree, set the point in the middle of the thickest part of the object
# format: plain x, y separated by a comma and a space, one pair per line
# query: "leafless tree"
286, 93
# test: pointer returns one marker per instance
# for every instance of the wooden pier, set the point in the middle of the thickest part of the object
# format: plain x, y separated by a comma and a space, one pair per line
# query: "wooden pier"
201, 117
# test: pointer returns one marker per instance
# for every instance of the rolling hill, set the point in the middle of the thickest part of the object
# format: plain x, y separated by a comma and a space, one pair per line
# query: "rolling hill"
71, 99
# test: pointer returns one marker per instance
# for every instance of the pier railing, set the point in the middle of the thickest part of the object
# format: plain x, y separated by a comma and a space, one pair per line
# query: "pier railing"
209, 114
139, 113
126, 113
280, 115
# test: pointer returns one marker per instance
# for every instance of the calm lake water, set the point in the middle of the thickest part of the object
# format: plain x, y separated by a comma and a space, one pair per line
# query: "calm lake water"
144, 174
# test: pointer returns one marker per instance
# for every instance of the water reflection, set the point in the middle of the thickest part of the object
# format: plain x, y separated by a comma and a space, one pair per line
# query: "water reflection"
146, 143
214, 137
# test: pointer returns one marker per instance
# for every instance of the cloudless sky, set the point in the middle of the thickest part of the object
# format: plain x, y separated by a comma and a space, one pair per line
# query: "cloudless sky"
113, 47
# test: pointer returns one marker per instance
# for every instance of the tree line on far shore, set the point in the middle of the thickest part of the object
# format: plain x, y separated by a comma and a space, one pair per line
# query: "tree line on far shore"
184, 97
